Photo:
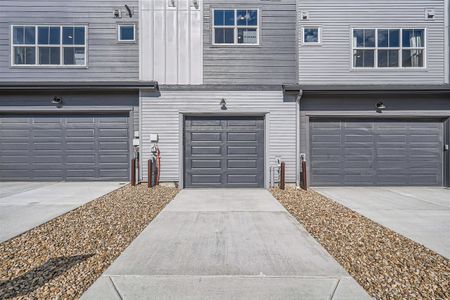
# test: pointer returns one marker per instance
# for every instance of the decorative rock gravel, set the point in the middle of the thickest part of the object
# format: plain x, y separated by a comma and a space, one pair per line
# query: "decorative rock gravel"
386, 264
62, 258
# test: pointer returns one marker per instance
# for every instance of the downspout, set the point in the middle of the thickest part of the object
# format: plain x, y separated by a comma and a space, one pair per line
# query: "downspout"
297, 130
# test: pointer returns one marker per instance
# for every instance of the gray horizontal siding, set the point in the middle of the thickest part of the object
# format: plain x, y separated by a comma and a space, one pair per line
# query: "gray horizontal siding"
273, 62
161, 115
107, 59
330, 63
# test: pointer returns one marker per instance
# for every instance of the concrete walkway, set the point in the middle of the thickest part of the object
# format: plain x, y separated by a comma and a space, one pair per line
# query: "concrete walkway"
25, 205
419, 213
225, 244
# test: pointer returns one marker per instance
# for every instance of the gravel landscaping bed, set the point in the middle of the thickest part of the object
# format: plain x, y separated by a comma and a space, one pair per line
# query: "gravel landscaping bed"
62, 258
386, 264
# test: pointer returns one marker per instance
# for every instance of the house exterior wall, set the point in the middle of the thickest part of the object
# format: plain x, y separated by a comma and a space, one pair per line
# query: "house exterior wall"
106, 58
171, 42
272, 62
162, 114
331, 61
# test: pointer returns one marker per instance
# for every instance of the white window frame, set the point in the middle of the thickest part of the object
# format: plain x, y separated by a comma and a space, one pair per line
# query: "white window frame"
400, 49
119, 39
319, 42
236, 27
36, 45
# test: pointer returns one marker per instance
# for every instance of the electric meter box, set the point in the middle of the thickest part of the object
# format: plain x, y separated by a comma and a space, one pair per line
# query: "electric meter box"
154, 138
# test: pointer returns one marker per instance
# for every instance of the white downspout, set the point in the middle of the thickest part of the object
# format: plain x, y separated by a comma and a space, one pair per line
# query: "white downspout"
297, 130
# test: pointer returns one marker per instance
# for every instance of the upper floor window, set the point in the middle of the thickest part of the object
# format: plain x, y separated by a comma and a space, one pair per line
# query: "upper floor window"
389, 48
311, 35
126, 33
48, 45
235, 27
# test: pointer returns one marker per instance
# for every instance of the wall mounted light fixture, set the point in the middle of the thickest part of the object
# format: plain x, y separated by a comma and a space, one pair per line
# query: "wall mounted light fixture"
380, 107
223, 104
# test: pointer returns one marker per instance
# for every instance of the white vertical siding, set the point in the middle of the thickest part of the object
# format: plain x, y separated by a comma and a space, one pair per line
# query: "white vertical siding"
331, 62
162, 114
172, 43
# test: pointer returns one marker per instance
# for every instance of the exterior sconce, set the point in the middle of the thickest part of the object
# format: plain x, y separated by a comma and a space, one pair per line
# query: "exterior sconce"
57, 100
223, 104
195, 4
380, 107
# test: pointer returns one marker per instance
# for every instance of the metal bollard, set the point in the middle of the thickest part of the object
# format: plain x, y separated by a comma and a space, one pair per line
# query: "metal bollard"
133, 172
150, 173
283, 176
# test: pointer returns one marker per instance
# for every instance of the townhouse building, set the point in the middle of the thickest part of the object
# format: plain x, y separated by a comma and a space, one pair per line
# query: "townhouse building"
226, 90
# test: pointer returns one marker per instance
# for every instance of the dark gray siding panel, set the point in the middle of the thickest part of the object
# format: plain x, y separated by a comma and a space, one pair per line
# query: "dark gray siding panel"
224, 152
273, 62
70, 147
388, 152
107, 59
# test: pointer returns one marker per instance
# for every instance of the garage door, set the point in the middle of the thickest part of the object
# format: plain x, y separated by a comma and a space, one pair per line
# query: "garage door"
224, 152
353, 152
64, 147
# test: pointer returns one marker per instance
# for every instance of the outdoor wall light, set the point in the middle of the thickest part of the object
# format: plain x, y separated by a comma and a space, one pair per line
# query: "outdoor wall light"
380, 107
223, 104
57, 100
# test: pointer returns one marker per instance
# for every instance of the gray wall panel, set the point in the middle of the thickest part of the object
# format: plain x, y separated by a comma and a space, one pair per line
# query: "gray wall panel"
331, 61
107, 59
273, 62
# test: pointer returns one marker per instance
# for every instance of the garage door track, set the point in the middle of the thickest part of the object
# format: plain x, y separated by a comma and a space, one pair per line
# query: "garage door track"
225, 244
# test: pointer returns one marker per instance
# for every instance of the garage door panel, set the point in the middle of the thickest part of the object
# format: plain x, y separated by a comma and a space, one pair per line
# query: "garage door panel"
210, 179
224, 152
206, 137
64, 147
395, 152
213, 150
206, 163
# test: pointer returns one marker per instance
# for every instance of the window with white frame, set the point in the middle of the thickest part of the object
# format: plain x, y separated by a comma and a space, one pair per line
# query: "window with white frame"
235, 27
311, 35
389, 48
48, 45
126, 33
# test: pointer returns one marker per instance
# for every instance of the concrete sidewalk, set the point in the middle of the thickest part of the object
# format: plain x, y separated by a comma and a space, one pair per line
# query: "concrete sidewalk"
225, 244
419, 213
25, 205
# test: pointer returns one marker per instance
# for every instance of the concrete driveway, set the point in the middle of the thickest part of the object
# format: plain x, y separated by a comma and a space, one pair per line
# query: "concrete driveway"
25, 205
225, 244
419, 213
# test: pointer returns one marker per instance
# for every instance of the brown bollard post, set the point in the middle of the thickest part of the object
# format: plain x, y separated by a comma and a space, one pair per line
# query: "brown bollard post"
133, 172
304, 176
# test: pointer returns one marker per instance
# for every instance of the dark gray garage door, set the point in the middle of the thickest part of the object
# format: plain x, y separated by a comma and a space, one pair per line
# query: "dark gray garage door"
355, 152
224, 152
64, 147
